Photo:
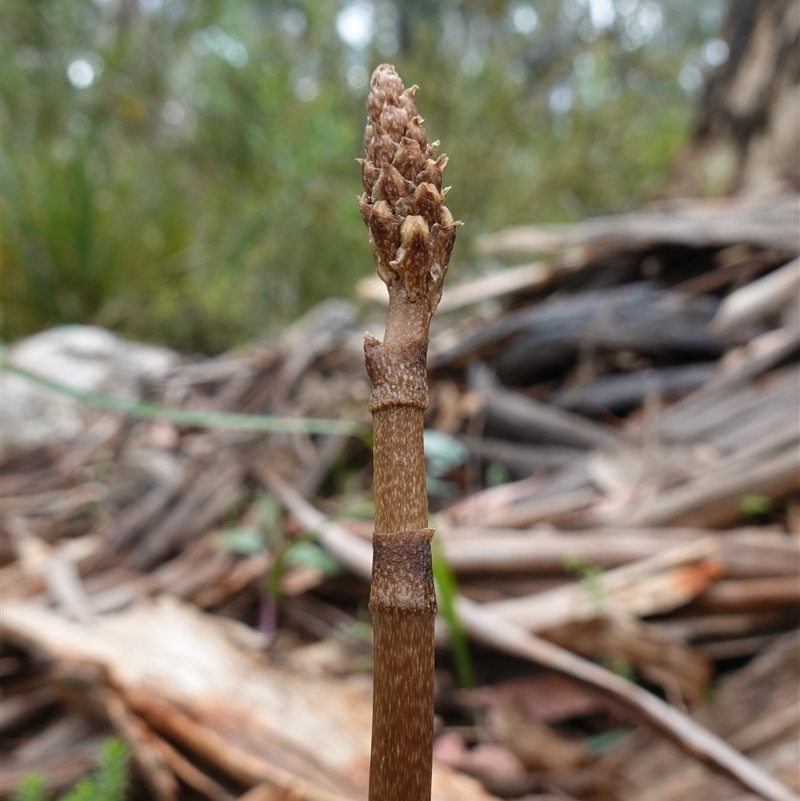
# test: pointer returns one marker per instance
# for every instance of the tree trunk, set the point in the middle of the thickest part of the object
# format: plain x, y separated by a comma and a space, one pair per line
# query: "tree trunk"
747, 135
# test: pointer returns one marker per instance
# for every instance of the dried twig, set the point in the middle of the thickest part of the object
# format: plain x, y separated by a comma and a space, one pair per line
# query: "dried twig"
660, 583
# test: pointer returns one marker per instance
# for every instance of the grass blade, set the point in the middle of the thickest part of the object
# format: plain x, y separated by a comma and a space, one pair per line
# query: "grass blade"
188, 417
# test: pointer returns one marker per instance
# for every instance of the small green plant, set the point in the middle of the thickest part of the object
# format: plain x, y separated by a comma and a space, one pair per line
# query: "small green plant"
443, 453
599, 744
31, 788
497, 474
620, 666
589, 575
446, 594
109, 782
755, 505
264, 533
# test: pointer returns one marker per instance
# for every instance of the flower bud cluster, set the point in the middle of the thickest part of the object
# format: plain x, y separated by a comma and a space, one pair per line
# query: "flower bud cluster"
411, 230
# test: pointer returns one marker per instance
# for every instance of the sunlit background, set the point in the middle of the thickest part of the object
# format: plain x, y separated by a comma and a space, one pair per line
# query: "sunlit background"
183, 171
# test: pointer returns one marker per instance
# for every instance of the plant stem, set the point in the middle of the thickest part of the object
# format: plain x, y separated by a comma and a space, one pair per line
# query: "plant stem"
412, 234
403, 606
192, 417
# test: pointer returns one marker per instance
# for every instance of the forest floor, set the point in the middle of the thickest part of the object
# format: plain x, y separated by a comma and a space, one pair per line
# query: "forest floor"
613, 444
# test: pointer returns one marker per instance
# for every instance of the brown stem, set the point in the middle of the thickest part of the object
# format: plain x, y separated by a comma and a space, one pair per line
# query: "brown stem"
402, 599
403, 609
412, 234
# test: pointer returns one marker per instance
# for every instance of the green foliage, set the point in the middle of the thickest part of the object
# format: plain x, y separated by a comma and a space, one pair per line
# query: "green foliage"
304, 553
497, 474
264, 533
620, 666
192, 180
243, 540
589, 575
188, 417
110, 780
108, 783
446, 595
299, 553
755, 505
599, 744
31, 788
443, 453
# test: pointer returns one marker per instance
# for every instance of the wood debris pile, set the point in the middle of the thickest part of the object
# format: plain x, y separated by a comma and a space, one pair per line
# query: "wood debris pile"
613, 448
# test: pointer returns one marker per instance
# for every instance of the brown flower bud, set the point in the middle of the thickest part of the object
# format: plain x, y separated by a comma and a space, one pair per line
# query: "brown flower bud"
409, 159
385, 236
413, 263
391, 185
411, 230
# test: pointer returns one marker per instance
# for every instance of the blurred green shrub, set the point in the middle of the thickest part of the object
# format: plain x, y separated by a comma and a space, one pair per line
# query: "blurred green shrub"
183, 172
108, 783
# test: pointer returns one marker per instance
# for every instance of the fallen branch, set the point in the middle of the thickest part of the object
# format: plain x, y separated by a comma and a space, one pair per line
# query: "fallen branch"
713, 499
217, 750
654, 585
750, 595
200, 682
481, 549
759, 299
769, 222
